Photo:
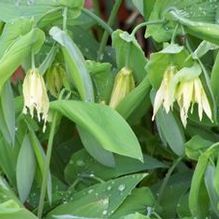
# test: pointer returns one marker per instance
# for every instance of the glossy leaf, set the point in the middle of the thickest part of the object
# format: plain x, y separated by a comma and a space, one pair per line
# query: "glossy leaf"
134, 57
100, 200
26, 161
104, 124
75, 64
82, 163
17, 52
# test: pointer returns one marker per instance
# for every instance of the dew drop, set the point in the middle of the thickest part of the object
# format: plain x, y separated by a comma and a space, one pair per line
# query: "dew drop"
105, 212
90, 191
121, 187
109, 188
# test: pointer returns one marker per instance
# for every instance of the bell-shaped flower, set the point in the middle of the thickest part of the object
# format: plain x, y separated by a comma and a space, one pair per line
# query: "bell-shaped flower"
191, 92
35, 95
163, 96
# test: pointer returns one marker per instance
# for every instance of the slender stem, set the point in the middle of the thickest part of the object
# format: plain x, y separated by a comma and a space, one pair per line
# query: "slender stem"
145, 24
174, 34
33, 60
47, 165
166, 179
106, 34
65, 17
98, 20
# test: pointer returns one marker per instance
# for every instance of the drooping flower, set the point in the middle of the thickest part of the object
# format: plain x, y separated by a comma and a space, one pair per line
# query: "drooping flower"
124, 84
35, 95
163, 96
189, 93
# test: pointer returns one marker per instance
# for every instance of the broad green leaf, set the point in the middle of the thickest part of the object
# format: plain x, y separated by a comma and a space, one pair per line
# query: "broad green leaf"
6, 193
11, 210
102, 78
197, 10
144, 7
183, 206
12, 31
216, 177
25, 170
75, 64
172, 131
17, 52
215, 78
209, 183
82, 163
95, 149
195, 146
10, 11
109, 195
139, 201
104, 124
198, 204
135, 216
129, 54
40, 159
7, 114
172, 54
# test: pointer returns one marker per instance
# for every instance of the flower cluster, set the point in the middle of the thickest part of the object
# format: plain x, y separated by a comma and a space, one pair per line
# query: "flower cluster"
186, 94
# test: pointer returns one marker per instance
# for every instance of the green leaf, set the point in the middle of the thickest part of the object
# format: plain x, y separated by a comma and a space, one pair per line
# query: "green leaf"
139, 201
172, 131
172, 54
6, 193
104, 124
75, 64
7, 114
100, 200
103, 79
198, 204
12, 31
16, 53
215, 78
11, 210
209, 182
129, 54
25, 170
197, 10
82, 163
95, 149
135, 216
195, 146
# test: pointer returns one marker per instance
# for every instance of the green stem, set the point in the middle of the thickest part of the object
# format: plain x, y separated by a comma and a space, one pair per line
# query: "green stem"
65, 17
145, 24
98, 20
174, 34
166, 179
33, 60
106, 34
47, 165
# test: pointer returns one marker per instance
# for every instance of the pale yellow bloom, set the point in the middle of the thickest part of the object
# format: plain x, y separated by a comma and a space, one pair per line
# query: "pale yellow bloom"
124, 84
189, 93
163, 96
35, 95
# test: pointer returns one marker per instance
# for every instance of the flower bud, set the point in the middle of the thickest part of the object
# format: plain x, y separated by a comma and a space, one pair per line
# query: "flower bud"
35, 95
55, 77
124, 83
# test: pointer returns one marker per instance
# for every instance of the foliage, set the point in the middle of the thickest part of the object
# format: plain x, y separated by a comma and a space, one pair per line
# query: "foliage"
91, 127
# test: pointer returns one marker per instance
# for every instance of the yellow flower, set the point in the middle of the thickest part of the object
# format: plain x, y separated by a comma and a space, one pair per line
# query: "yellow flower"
124, 83
35, 95
163, 96
187, 94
